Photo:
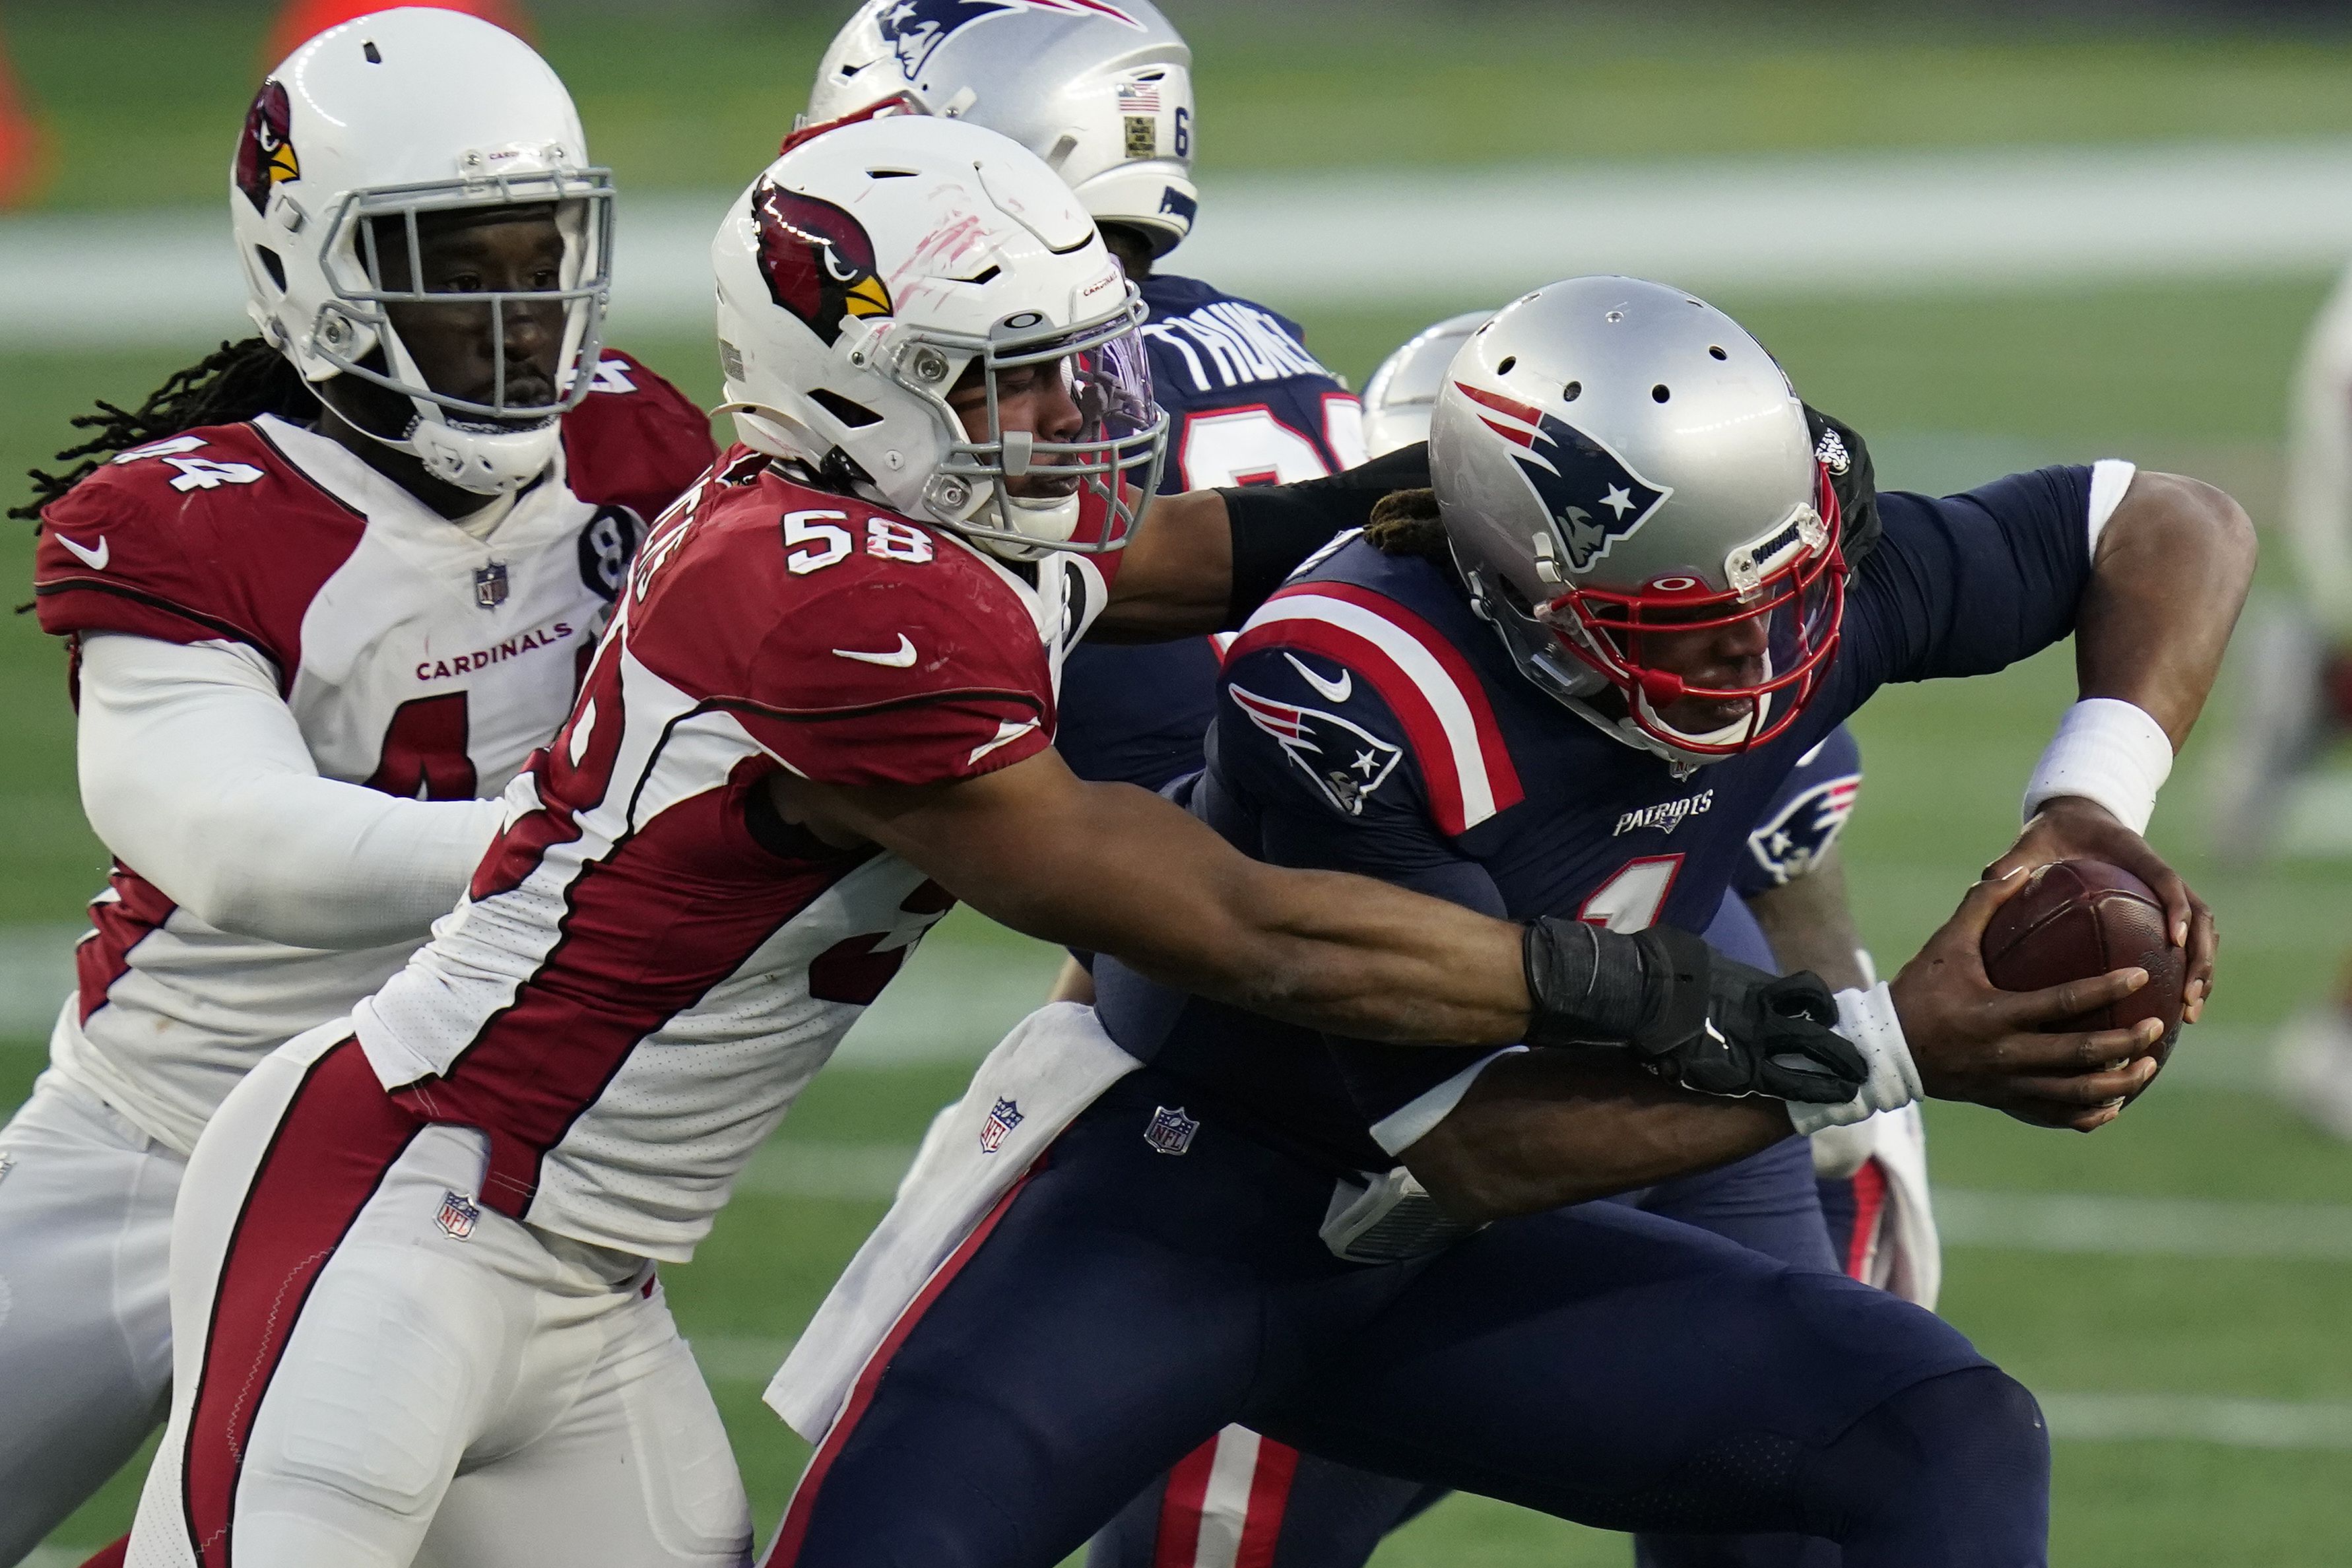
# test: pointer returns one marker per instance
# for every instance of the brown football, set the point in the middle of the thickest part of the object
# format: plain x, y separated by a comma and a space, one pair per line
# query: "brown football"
2076, 918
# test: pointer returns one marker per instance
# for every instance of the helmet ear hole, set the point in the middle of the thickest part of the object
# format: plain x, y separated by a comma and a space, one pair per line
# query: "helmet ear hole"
1510, 363
1660, 393
272, 265
853, 415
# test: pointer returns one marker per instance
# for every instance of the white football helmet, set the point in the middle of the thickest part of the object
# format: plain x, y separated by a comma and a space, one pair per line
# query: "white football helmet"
876, 263
1614, 460
1403, 393
363, 128
1101, 89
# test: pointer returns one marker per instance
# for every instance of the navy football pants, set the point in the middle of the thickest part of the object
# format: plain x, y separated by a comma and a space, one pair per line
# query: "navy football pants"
1600, 1364
1304, 1512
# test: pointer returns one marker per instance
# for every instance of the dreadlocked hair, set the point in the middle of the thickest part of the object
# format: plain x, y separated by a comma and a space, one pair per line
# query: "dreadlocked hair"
1406, 522
242, 381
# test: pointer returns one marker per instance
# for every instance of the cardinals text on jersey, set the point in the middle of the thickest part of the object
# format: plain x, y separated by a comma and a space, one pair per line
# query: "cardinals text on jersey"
416, 660
696, 958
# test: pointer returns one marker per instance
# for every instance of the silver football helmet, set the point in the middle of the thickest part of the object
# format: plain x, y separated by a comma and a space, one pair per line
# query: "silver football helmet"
1619, 465
1101, 89
1403, 393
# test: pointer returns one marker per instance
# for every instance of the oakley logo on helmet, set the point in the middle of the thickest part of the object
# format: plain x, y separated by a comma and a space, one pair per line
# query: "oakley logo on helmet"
1594, 497
915, 27
818, 261
265, 154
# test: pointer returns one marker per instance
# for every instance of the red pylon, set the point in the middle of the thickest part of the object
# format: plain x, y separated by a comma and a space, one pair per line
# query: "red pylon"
24, 148
302, 20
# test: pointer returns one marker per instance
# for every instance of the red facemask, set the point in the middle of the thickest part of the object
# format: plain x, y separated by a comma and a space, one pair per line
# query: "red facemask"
1798, 609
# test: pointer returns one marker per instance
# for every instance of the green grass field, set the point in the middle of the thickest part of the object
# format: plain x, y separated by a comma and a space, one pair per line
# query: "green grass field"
1948, 388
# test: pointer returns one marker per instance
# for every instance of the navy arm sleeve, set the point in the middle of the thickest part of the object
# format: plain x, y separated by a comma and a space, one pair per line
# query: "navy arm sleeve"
1334, 786
1969, 584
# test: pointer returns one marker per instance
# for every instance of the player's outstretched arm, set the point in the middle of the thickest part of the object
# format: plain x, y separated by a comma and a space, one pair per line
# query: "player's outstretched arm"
1202, 561
1117, 870
2168, 579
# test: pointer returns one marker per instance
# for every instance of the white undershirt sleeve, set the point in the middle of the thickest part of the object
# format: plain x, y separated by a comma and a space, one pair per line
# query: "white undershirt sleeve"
195, 775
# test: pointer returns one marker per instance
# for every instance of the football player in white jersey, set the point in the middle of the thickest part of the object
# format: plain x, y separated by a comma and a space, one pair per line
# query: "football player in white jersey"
413, 1263
325, 592
2294, 697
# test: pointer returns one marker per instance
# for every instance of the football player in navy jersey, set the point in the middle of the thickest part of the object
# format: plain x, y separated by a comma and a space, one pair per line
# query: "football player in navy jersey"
1103, 92
1786, 910
1570, 682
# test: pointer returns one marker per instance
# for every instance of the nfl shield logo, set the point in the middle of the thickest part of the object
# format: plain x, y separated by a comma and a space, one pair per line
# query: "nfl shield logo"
490, 584
1002, 1119
1170, 1131
458, 1215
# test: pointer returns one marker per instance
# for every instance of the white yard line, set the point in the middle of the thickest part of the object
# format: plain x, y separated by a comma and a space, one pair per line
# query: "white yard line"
1899, 221
2193, 1418
2087, 1225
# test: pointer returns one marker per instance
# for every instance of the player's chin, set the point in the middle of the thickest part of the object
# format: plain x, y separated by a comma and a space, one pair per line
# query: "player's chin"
1042, 486
1694, 716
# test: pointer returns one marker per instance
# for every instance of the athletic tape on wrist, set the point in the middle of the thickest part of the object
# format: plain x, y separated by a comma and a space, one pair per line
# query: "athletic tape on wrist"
1868, 1019
2108, 751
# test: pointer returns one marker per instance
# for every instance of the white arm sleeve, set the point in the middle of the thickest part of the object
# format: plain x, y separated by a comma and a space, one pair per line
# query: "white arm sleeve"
2318, 512
195, 775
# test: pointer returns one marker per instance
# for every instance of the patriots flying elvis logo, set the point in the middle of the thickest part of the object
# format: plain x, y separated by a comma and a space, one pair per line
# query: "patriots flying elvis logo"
915, 27
1592, 494
1346, 761
1802, 832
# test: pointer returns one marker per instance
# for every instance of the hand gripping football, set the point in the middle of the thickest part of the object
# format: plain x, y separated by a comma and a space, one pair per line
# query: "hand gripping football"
2077, 919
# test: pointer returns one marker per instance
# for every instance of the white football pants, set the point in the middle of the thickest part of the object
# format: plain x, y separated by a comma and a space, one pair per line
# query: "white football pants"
85, 1313
372, 1368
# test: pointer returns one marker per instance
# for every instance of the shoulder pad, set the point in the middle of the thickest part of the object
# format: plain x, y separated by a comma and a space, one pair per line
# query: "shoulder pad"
1443, 716
634, 440
210, 534
825, 623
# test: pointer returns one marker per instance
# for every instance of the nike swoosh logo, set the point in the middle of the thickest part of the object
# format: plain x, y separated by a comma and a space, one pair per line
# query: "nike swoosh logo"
1332, 690
900, 657
93, 559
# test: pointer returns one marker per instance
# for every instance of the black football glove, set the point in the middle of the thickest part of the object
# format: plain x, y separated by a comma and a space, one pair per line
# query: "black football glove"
1687, 1013
1728, 1028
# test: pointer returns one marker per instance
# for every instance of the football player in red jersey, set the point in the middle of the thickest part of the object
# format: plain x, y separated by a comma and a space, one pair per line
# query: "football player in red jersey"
326, 591
414, 1262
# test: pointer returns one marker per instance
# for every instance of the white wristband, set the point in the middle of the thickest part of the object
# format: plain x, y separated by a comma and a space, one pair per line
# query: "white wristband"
1868, 1019
2108, 751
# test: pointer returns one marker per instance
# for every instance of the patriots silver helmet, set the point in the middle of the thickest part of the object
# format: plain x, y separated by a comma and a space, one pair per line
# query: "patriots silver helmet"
1403, 393
1625, 475
402, 115
1100, 89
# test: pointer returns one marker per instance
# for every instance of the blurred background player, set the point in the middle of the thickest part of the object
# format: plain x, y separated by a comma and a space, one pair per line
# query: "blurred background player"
1259, 1499
326, 591
1103, 92
2296, 693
